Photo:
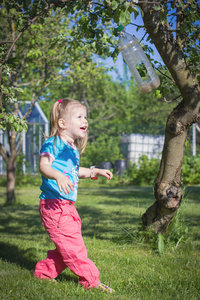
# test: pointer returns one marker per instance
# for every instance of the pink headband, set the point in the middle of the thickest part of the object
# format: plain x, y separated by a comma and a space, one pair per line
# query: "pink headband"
60, 101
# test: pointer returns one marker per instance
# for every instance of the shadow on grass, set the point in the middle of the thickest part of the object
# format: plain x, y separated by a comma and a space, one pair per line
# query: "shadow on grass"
20, 219
22, 222
105, 220
130, 195
67, 277
27, 259
12, 254
102, 225
116, 203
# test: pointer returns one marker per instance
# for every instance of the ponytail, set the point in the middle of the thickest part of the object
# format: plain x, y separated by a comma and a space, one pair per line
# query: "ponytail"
54, 117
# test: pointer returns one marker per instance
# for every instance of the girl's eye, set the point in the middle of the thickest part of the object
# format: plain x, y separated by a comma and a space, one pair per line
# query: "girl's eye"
79, 117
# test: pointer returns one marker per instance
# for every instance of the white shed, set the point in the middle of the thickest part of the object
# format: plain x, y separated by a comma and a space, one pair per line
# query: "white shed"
135, 145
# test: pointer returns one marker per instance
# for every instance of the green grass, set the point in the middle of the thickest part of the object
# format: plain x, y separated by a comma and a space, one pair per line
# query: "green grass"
110, 221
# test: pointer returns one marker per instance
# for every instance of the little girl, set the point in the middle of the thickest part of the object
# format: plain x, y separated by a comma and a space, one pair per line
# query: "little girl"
59, 166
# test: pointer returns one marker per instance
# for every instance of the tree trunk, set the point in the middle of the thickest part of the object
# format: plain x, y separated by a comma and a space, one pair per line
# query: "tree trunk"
11, 163
167, 189
11, 171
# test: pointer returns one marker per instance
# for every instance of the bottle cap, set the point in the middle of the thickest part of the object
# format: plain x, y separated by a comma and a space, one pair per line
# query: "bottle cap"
120, 28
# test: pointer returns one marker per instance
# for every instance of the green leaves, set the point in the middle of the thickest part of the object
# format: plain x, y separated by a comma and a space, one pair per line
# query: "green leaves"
158, 94
12, 121
114, 4
125, 17
122, 13
35, 53
156, 8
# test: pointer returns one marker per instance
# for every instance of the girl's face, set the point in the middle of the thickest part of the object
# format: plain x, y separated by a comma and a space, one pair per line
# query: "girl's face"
74, 123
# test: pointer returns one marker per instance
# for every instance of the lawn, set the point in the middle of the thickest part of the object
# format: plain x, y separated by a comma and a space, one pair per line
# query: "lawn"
110, 227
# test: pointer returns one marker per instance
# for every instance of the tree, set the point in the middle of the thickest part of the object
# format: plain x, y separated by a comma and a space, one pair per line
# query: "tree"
109, 107
179, 52
172, 27
41, 56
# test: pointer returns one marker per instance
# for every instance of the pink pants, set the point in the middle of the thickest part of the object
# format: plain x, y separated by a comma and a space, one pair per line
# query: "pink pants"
62, 223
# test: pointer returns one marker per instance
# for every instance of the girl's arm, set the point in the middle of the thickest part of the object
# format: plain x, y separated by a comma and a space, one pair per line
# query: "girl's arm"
64, 184
86, 173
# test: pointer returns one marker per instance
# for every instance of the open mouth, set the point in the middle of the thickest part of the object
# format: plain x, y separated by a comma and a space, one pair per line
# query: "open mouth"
84, 128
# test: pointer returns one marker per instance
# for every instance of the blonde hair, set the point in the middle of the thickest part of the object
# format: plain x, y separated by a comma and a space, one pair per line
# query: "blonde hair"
58, 110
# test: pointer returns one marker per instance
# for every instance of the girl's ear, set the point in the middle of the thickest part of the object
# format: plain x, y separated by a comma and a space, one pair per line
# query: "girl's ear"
61, 123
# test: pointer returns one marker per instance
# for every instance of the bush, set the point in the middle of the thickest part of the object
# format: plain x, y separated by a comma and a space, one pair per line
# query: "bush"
191, 170
101, 149
143, 173
28, 180
148, 170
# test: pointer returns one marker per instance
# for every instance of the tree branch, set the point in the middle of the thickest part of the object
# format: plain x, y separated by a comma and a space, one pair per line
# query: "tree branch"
169, 101
20, 143
4, 153
169, 49
43, 11
163, 74
6, 42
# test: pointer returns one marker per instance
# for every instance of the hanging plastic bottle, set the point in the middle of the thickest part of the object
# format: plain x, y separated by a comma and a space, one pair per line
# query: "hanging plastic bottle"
134, 56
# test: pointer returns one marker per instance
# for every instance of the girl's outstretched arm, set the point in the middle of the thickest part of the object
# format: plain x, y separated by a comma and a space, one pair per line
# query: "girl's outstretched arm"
86, 173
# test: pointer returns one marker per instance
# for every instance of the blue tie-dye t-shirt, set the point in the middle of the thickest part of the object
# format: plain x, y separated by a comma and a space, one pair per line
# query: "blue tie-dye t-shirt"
66, 160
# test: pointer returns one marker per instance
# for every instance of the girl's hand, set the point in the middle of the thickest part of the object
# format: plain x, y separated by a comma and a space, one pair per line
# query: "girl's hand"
86, 173
64, 184
103, 172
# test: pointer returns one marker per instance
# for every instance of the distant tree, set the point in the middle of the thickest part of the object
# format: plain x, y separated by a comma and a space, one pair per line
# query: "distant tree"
39, 58
109, 107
